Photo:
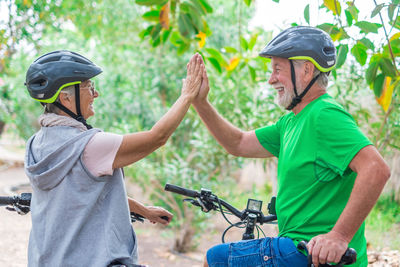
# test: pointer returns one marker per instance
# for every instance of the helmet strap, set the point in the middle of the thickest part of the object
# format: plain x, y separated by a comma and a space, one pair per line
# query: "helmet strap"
297, 99
77, 116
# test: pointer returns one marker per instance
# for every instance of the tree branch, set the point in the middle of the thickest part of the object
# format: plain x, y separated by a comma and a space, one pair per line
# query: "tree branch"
387, 38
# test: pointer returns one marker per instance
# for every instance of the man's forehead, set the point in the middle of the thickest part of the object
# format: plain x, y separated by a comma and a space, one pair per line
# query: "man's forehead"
279, 61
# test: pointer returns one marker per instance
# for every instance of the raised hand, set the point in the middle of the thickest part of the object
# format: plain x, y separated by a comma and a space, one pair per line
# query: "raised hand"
192, 83
204, 87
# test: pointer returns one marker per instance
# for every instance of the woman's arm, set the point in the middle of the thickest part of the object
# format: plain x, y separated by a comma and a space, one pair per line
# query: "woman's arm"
136, 146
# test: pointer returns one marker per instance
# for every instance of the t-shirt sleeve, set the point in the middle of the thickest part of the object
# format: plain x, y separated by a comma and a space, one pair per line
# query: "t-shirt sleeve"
100, 151
269, 138
339, 139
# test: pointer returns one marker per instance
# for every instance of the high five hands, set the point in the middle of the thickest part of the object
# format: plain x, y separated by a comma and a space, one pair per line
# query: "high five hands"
196, 85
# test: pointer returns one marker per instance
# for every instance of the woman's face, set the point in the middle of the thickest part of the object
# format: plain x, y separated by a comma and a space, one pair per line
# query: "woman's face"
87, 95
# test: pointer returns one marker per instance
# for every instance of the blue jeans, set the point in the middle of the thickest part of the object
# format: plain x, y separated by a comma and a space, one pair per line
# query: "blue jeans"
279, 251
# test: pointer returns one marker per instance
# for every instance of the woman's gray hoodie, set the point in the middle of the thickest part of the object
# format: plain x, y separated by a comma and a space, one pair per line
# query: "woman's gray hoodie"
77, 219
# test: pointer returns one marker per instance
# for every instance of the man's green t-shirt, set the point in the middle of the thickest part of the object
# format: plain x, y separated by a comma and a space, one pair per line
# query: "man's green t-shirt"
314, 149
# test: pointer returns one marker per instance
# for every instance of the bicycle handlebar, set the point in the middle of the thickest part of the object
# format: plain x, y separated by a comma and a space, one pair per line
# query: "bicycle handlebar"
181, 190
349, 257
24, 200
208, 201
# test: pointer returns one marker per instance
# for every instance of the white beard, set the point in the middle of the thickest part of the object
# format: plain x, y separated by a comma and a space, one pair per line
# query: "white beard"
286, 99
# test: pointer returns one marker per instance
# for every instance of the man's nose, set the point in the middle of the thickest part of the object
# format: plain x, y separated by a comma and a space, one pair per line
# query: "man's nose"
272, 79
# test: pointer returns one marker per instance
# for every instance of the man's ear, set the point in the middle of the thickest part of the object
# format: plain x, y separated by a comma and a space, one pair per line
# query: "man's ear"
308, 69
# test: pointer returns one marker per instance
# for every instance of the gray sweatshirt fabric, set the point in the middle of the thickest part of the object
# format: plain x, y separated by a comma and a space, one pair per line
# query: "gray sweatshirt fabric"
77, 219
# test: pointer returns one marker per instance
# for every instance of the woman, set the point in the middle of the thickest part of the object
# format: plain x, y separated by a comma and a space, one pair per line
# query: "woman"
80, 211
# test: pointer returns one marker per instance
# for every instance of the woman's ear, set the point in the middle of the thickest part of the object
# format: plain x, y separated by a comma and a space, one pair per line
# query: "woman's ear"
65, 99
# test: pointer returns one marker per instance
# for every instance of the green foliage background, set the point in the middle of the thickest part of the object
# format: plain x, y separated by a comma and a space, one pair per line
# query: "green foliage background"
143, 55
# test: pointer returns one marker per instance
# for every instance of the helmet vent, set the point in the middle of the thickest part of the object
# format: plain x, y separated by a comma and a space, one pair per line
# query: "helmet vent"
329, 50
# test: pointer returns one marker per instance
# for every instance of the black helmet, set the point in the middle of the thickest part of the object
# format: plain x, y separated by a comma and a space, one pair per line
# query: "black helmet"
50, 73
304, 42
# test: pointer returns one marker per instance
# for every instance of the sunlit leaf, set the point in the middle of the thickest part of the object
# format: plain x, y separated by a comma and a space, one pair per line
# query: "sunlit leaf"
202, 36
164, 16
334, 6
368, 27
360, 53
378, 84
233, 62
395, 36
307, 13
376, 10
342, 55
386, 95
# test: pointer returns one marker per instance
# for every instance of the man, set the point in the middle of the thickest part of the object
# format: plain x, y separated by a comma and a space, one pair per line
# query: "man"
329, 174
80, 211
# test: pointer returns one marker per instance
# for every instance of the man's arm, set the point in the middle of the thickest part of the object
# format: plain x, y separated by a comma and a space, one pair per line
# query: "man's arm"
372, 175
234, 140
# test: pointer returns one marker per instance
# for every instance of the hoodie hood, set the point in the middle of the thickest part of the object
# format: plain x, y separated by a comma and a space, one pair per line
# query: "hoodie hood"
50, 155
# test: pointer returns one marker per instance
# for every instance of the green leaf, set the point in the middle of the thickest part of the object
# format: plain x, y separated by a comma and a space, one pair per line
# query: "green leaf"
244, 44
307, 14
342, 55
155, 32
349, 17
378, 84
229, 49
214, 53
176, 39
199, 7
151, 2
206, 6
368, 27
253, 41
248, 2
276, 1
391, 11
153, 15
370, 74
353, 11
252, 72
185, 25
215, 63
360, 53
367, 43
387, 67
376, 10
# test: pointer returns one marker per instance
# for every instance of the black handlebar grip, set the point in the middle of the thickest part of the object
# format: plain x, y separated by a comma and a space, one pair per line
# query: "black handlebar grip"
6, 201
349, 257
181, 190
